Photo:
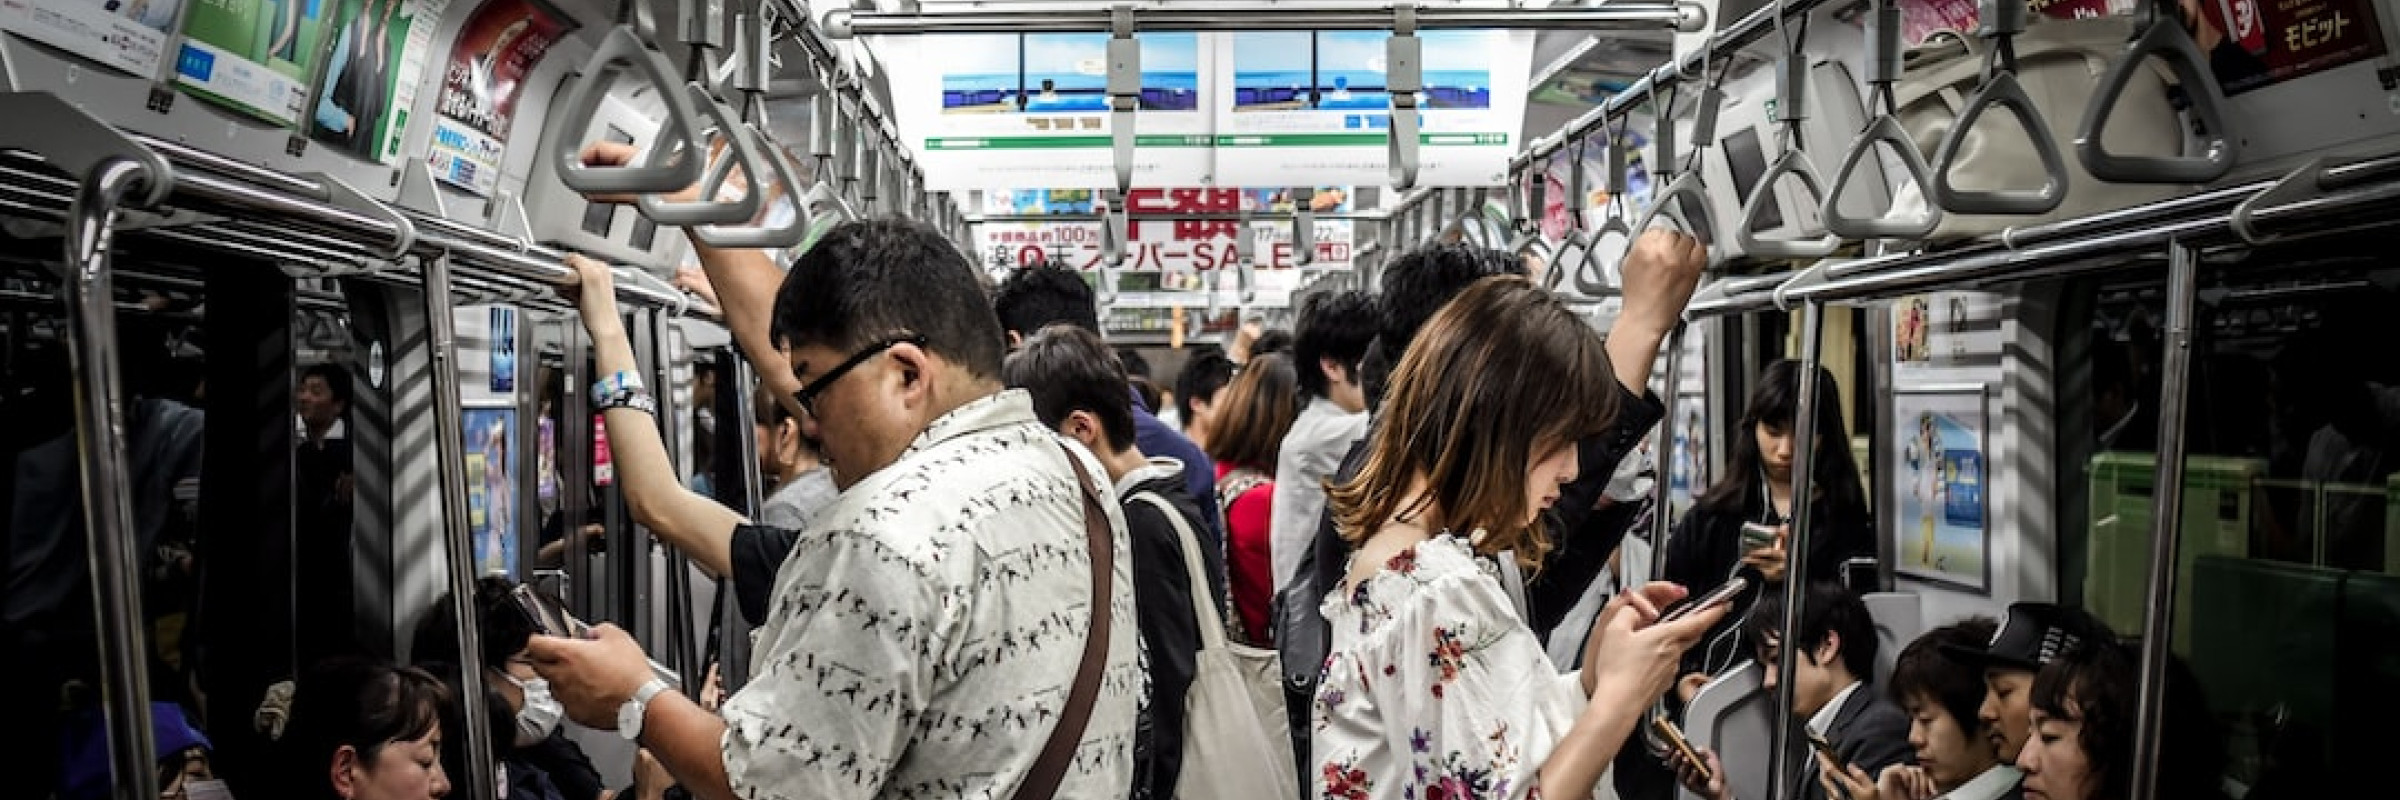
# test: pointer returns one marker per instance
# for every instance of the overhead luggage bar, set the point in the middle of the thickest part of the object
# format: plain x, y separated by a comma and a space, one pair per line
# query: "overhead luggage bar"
1748, 31
1683, 17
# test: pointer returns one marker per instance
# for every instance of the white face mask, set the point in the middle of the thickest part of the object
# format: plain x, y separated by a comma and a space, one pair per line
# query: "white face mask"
541, 713
206, 790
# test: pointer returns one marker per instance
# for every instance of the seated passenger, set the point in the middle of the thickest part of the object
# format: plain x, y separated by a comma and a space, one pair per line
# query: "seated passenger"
2084, 707
1079, 389
2030, 635
364, 730
1828, 686
1956, 758
183, 768
529, 735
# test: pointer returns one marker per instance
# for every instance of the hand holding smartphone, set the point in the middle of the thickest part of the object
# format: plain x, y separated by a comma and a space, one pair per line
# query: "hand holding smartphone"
1756, 536
555, 621
1679, 748
1724, 593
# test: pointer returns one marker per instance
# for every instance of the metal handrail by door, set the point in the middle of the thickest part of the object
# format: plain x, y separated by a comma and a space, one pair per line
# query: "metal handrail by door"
449, 424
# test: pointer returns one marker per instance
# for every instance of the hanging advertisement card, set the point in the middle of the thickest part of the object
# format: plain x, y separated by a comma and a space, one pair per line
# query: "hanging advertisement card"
491, 491
127, 36
253, 56
485, 75
1947, 337
1939, 450
1313, 107
1179, 250
379, 52
504, 349
998, 111
2253, 44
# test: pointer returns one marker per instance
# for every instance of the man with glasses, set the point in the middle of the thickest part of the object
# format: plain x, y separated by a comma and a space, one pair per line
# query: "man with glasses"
928, 629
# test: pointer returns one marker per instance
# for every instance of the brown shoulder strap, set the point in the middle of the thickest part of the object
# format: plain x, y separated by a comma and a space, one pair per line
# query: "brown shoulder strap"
1051, 767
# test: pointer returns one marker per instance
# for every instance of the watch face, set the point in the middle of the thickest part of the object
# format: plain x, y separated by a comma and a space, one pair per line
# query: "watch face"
629, 719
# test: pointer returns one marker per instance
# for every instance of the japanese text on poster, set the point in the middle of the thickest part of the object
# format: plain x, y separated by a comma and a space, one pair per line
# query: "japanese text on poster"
481, 82
1163, 246
130, 36
254, 56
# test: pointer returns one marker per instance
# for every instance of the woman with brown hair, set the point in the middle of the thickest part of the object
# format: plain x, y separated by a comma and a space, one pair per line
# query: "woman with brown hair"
1252, 417
1435, 687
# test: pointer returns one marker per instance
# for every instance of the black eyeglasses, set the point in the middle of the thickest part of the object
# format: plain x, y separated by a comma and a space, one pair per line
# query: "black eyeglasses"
807, 396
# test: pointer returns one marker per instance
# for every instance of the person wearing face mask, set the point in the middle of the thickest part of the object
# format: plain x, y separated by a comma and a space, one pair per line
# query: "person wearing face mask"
533, 739
183, 766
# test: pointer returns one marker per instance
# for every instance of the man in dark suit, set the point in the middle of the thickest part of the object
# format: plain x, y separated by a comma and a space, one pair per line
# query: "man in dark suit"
1829, 688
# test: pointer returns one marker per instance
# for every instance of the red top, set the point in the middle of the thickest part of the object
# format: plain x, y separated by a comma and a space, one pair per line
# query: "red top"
1249, 557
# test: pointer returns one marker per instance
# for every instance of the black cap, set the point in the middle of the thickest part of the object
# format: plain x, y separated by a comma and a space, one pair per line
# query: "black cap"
2031, 635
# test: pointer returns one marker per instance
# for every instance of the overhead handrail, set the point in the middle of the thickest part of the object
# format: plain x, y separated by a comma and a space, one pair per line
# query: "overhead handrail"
1883, 71
750, 79
1404, 77
404, 228
2308, 179
2002, 21
2164, 37
700, 30
1594, 283
1686, 189
628, 47
1791, 108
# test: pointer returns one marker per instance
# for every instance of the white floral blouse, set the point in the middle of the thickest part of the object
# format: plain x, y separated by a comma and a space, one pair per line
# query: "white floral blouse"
1435, 689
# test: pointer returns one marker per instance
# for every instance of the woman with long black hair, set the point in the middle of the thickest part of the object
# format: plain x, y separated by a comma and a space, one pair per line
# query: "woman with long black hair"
1708, 544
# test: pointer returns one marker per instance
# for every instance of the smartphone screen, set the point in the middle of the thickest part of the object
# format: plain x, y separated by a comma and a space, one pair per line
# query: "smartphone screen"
1724, 593
1755, 536
547, 614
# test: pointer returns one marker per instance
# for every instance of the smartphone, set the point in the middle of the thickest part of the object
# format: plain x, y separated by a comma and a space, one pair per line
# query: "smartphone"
1666, 731
1818, 741
1755, 536
555, 621
1724, 593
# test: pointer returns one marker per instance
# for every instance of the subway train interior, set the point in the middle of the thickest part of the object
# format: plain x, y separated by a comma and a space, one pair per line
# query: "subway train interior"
2100, 288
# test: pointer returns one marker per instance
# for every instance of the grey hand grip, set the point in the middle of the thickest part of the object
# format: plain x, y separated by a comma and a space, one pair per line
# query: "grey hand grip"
620, 49
2004, 91
790, 233
2166, 39
1884, 130
1403, 77
739, 149
1669, 204
1591, 282
1794, 164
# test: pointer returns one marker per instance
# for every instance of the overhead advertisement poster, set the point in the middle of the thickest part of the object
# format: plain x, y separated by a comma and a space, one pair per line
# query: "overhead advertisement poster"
480, 85
379, 53
254, 56
1178, 250
130, 36
997, 111
1314, 106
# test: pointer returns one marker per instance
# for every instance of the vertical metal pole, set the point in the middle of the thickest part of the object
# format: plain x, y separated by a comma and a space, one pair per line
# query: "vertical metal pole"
2158, 632
527, 449
107, 502
678, 639
449, 425
575, 468
733, 651
1662, 495
1795, 565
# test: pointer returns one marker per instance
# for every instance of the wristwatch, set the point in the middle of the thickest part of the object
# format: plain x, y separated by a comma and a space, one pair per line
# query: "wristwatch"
629, 715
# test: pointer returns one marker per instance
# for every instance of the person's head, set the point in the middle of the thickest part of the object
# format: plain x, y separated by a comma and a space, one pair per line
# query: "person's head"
1033, 298
2084, 711
1274, 341
1078, 386
505, 631
324, 395
1489, 447
1416, 285
1943, 698
783, 451
365, 730
1255, 412
1135, 365
1765, 449
1335, 329
887, 329
1148, 393
1199, 388
1836, 641
2029, 636
182, 755
454, 720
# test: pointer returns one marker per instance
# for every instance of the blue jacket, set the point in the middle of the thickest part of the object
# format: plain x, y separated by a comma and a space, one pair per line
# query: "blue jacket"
1156, 438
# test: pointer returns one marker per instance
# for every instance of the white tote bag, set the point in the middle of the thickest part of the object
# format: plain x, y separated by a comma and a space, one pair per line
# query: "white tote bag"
1236, 743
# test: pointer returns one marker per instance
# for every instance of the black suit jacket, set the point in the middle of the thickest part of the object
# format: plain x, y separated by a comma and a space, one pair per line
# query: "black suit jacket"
1869, 733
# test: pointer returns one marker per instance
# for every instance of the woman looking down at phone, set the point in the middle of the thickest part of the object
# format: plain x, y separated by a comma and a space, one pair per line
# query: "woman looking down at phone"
1434, 686
1709, 544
